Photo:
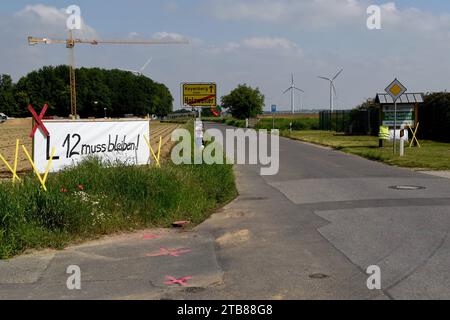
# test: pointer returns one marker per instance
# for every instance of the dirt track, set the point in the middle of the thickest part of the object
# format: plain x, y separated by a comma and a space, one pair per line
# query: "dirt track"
20, 129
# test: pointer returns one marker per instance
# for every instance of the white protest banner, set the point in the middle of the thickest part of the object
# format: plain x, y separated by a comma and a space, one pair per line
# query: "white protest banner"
74, 141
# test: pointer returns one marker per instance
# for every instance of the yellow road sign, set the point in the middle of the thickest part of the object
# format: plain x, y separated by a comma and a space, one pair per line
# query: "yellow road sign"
199, 94
396, 89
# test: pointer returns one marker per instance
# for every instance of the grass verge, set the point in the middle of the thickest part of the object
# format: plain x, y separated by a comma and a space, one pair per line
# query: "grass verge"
91, 200
432, 155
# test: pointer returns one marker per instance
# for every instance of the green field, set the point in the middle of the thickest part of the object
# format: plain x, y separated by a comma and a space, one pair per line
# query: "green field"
432, 155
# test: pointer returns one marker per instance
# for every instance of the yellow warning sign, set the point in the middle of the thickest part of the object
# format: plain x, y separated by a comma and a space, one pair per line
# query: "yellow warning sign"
199, 94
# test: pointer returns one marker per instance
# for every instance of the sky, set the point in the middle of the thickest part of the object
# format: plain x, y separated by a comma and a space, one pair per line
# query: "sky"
256, 42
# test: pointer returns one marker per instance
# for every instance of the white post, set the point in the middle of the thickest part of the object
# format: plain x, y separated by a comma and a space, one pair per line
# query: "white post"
402, 141
402, 147
395, 127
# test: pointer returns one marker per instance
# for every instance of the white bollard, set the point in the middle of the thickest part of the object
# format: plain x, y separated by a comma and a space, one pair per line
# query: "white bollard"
402, 147
402, 141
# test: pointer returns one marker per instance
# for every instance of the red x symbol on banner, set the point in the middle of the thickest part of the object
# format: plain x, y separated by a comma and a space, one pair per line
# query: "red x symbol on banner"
38, 119
169, 252
181, 282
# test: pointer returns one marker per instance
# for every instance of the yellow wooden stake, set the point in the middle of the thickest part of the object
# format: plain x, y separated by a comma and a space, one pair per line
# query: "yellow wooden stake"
47, 170
158, 164
42, 180
414, 132
9, 168
159, 151
16, 160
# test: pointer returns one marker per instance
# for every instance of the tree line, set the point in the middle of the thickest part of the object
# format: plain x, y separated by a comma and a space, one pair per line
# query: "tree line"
120, 92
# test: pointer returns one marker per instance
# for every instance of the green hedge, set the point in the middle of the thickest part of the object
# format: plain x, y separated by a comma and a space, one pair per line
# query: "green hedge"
284, 124
434, 117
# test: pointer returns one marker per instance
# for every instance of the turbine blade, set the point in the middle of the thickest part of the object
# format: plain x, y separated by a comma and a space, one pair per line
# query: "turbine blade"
338, 74
299, 89
325, 78
334, 89
146, 65
287, 91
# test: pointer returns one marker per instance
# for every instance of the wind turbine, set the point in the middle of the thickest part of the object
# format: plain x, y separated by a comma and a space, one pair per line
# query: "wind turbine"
141, 71
332, 88
292, 88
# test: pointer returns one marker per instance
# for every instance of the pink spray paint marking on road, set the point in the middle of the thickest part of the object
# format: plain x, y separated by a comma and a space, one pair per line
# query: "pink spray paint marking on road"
169, 252
181, 281
151, 236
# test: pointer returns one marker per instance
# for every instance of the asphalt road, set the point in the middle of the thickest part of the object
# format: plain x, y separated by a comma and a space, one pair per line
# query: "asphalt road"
333, 215
310, 232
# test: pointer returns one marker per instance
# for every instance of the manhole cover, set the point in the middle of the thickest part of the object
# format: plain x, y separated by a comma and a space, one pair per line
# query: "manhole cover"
407, 188
318, 276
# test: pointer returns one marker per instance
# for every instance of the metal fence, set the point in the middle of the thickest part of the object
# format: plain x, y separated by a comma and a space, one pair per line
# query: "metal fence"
351, 121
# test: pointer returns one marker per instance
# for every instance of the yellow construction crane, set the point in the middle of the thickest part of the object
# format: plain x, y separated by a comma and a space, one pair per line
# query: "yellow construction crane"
70, 44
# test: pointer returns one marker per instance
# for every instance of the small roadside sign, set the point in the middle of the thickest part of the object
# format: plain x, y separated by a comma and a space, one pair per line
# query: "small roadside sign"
274, 108
396, 89
199, 94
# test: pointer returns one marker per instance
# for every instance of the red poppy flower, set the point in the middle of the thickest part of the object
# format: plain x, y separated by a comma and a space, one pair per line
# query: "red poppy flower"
81, 187
64, 190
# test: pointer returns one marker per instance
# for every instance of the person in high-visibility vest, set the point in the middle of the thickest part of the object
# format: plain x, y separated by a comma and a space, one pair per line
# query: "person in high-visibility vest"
384, 133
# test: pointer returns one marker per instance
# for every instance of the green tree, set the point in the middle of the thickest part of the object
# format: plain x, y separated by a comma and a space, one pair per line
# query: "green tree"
244, 102
8, 103
120, 92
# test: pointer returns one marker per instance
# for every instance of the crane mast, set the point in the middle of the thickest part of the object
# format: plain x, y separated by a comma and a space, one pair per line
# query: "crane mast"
73, 85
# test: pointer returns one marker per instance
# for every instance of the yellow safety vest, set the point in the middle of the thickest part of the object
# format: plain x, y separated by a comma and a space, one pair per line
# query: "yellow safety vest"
384, 133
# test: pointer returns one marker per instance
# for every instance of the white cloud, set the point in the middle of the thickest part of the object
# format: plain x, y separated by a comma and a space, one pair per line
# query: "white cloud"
269, 43
312, 13
168, 36
414, 20
172, 36
262, 45
320, 14
42, 13
51, 19
133, 35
